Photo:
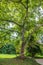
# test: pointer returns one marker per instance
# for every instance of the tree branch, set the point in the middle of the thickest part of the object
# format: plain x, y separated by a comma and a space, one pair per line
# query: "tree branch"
34, 30
2, 29
11, 21
23, 5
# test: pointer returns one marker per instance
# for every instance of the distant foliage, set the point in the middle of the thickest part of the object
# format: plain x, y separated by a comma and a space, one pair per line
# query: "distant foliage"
33, 49
8, 49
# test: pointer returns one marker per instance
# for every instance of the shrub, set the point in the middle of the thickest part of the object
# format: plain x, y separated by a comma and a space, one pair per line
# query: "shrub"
33, 49
8, 49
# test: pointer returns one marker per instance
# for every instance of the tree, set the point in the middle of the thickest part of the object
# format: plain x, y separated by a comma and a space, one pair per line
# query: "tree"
26, 18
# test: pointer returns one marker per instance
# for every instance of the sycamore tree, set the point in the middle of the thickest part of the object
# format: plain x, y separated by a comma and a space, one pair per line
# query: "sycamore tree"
19, 20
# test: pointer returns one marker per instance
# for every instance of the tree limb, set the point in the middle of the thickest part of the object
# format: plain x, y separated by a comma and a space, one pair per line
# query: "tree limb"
23, 5
11, 21
2, 29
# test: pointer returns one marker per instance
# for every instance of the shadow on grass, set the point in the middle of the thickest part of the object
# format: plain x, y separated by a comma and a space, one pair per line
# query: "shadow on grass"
17, 61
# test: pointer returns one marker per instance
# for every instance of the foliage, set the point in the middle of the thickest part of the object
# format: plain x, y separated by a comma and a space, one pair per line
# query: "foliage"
34, 49
8, 49
23, 17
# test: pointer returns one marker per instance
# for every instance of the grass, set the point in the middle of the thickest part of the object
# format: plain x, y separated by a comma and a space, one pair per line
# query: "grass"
39, 56
7, 56
6, 59
18, 62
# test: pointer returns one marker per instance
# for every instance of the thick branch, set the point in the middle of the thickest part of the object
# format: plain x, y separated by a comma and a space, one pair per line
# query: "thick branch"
2, 29
11, 21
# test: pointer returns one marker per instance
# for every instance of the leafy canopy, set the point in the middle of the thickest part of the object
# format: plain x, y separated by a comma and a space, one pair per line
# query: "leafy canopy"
13, 17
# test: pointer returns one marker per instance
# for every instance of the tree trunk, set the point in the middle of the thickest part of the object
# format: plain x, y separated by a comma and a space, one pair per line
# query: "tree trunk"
23, 43
23, 31
22, 50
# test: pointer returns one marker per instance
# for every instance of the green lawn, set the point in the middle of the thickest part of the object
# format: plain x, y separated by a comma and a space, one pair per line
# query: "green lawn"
39, 56
13, 56
6, 59
7, 56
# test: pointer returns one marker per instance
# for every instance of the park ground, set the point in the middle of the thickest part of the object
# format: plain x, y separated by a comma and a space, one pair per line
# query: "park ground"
6, 59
